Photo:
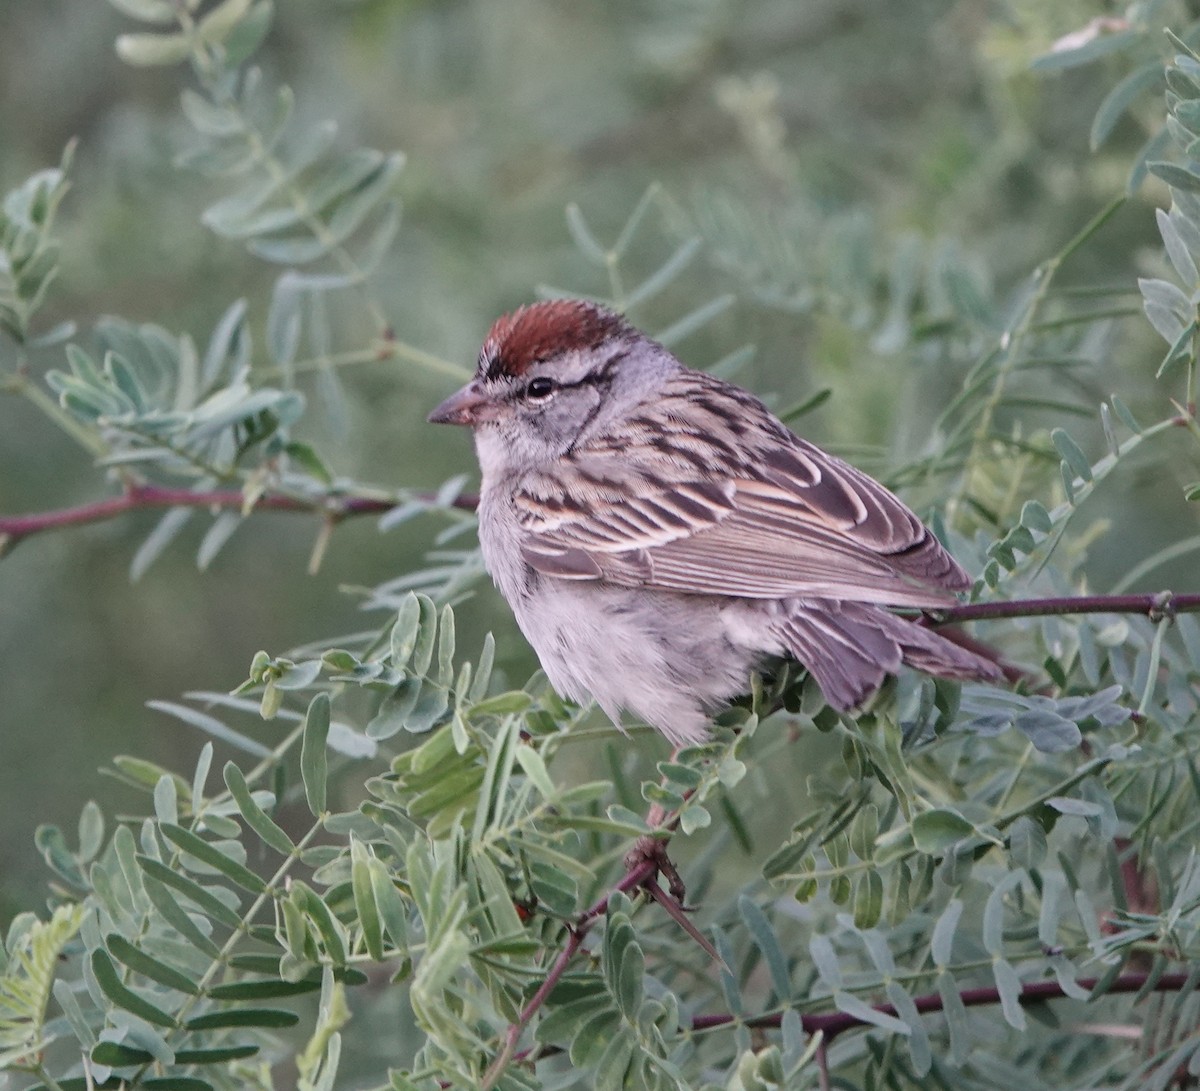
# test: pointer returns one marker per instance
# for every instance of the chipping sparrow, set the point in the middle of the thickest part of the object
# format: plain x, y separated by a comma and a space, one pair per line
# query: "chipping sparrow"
658, 533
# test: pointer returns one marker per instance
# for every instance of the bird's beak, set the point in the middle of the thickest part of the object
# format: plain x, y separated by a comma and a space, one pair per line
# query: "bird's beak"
470, 405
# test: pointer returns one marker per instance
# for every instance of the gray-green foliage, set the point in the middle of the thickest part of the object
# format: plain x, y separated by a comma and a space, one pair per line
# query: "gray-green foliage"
968, 838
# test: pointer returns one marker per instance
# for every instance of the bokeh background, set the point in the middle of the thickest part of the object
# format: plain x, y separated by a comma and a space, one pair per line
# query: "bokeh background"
760, 119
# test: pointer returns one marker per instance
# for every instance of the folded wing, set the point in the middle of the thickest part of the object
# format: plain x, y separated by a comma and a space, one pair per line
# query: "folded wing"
738, 506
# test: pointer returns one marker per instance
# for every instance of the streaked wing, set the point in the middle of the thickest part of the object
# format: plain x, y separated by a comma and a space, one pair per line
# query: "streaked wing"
786, 519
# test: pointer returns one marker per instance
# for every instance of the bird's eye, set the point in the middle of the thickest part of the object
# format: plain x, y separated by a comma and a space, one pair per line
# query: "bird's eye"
539, 389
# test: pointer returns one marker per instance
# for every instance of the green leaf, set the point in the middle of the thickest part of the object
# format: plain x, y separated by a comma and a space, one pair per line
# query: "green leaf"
422, 654
333, 934
148, 11
503, 704
148, 50
110, 983
445, 647
1178, 250
220, 20
483, 670
868, 899
1048, 730
1080, 807
954, 1011
1072, 454
222, 529
1127, 417
245, 38
208, 852
693, 817
52, 845
212, 726
208, 902
428, 710
624, 964
200, 776
612, 1065
862, 1011
256, 818
565, 1022
1119, 99
918, 1040
863, 832
1091, 47
1008, 984
1035, 516
388, 901
768, 944
91, 831
1027, 842
263, 990
364, 898
824, 958
495, 779
1169, 312
992, 931
314, 767
164, 533
174, 914
145, 774
936, 830
534, 767
395, 709
1174, 175
216, 1055
148, 966
268, 1018
118, 1055
942, 941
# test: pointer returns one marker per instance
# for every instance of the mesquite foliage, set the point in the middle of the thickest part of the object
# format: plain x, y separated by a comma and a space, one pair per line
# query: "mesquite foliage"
409, 827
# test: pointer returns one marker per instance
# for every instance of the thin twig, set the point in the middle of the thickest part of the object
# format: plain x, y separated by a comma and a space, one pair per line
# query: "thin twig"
1158, 605
831, 1024
13, 528
635, 877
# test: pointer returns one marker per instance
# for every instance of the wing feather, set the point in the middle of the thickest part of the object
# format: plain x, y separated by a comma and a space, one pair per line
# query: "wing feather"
784, 519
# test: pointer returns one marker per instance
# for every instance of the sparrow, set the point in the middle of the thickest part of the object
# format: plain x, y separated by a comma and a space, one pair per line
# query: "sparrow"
659, 533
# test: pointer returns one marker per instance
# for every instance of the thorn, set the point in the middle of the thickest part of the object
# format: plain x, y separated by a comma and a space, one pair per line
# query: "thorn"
678, 914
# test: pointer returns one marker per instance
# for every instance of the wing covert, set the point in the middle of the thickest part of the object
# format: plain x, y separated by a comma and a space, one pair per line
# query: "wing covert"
738, 507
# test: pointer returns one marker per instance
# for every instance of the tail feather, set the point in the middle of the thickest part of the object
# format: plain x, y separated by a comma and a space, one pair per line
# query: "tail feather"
850, 647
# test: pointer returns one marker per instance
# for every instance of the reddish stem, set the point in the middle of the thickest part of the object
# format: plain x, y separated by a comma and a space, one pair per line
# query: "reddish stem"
833, 1023
137, 497
1159, 604
635, 877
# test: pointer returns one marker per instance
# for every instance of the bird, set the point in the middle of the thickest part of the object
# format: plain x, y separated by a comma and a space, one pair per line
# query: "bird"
659, 534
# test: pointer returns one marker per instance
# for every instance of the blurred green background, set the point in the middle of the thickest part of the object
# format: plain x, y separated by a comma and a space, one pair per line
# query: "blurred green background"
763, 120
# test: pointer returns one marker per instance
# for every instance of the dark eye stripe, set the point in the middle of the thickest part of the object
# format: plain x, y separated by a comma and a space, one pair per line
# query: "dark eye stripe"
542, 386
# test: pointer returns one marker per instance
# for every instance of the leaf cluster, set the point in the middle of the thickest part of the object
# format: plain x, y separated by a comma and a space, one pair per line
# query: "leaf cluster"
398, 820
